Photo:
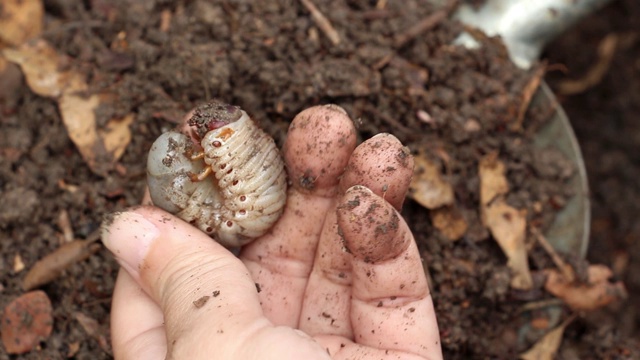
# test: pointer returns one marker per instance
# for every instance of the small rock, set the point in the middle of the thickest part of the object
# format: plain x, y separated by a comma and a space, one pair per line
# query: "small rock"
26, 321
18, 206
472, 125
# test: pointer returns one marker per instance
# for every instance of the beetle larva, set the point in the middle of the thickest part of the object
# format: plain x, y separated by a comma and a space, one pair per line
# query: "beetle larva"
232, 185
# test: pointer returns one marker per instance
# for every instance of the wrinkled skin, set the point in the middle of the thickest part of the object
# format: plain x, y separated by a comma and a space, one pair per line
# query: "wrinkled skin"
339, 275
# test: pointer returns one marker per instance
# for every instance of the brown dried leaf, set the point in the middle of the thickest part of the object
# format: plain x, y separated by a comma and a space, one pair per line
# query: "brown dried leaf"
18, 264
89, 324
42, 66
74, 347
428, 187
493, 181
598, 292
507, 224
450, 222
80, 120
21, 20
93, 329
509, 227
100, 148
547, 347
26, 321
117, 135
51, 266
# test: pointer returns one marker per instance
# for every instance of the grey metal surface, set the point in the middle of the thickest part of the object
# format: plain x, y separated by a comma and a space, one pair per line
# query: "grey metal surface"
526, 26
570, 230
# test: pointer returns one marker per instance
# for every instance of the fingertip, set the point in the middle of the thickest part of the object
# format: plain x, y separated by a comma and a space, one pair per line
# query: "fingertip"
128, 235
371, 228
383, 165
319, 143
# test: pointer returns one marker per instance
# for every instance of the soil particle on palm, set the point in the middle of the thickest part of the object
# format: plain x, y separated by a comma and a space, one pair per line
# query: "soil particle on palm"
162, 58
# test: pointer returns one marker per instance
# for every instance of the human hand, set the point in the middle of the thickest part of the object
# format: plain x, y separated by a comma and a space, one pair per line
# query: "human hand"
294, 292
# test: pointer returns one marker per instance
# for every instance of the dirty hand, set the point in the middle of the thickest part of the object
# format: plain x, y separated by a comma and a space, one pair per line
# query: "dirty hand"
339, 276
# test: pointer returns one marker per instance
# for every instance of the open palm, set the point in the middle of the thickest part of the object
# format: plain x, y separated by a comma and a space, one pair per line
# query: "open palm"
339, 276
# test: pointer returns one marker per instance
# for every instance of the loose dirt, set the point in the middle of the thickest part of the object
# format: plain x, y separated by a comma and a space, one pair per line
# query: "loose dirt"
161, 58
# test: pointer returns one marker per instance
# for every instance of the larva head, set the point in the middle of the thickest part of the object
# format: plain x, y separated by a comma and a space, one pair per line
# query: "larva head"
213, 115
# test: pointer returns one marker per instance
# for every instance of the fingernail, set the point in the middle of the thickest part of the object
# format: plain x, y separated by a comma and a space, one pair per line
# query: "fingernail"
391, 137
337, 108
128, 235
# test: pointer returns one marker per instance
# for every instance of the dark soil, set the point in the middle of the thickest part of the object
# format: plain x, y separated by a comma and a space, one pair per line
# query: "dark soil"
270, 58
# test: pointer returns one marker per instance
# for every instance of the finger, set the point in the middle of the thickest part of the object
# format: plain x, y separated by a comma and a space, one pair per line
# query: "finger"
318, 146
319, 143
391, 305
193, 280
384, 164
137, 324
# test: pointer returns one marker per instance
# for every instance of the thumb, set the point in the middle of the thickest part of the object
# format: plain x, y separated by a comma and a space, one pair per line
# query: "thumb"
200, 288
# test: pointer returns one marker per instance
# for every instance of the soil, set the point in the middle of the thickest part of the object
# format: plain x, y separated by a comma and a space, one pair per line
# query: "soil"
452, 104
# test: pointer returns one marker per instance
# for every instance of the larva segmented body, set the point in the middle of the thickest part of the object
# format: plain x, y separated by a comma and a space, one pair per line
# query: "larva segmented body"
234, 190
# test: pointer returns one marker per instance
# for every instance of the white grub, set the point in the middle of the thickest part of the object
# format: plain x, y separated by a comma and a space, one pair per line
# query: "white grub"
234, 190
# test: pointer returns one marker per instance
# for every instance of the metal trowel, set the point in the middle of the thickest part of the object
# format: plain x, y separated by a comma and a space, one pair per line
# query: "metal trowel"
525, 27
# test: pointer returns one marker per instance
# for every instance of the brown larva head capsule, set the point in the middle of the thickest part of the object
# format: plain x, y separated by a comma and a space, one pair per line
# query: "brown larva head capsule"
213, 115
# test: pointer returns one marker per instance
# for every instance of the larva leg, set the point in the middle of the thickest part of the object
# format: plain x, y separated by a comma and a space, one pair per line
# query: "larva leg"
201, 175
197, 156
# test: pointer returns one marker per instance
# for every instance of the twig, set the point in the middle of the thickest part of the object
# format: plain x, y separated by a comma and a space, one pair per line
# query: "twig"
540, 304
425, 24
527, 95
165, 20
64, 223
389, 120
323, 23
383, 61
91, 24
565, 269
606, 51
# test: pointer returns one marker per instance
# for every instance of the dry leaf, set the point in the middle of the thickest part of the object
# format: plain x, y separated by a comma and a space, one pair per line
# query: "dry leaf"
598, 292
64, 224
74, 347
547, 347
493, 181
41, 65
93, 329
428, 187
51, 266
18, 264
21, 20
80, 120
509, 228
117, 135
507, 224
450, 222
